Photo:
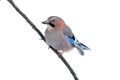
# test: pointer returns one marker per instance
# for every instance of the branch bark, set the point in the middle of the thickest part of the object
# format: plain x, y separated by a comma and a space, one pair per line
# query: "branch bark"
43, 38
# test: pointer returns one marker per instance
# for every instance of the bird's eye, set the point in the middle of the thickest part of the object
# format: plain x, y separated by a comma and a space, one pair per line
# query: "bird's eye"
52, 23
53, 20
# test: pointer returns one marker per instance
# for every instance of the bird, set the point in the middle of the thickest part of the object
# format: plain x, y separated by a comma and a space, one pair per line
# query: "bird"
60, 36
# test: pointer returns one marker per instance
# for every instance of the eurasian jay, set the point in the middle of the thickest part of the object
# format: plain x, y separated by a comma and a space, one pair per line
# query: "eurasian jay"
60, 36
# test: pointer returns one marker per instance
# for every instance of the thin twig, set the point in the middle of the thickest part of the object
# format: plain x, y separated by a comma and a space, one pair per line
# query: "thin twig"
43, 38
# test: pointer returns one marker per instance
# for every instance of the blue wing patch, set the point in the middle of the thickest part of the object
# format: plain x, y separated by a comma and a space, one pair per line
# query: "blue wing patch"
77, 44
70, 40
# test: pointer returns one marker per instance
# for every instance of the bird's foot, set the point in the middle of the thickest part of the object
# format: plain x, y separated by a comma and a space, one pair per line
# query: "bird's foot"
60, 52
41, 39
49, 47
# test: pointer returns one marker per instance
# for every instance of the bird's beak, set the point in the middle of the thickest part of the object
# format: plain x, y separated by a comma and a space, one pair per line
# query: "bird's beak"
45, 22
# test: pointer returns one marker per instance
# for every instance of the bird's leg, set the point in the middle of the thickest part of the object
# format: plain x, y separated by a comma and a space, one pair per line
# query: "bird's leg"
41, 39
61, 52
49, 47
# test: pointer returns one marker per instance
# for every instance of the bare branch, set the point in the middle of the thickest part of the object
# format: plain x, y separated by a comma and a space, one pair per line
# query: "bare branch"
43, 38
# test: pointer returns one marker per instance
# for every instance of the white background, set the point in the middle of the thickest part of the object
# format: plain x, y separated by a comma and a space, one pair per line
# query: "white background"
96, 23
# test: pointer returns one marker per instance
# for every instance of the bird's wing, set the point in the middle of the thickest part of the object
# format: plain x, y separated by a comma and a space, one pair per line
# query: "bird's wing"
68, 32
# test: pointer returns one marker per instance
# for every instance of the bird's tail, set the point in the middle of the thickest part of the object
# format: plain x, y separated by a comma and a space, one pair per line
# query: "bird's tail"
80, 47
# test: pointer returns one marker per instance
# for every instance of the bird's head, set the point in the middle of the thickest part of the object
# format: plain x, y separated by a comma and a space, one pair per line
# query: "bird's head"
54, 21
